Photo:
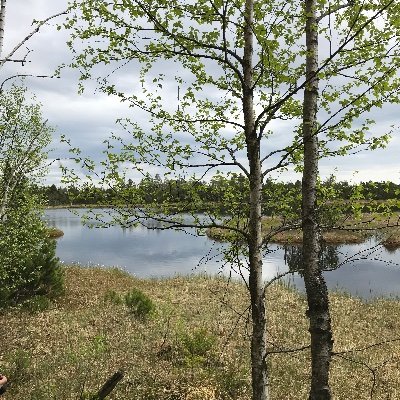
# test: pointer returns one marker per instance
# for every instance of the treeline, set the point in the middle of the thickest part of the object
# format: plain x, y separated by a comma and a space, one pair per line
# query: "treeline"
219, 189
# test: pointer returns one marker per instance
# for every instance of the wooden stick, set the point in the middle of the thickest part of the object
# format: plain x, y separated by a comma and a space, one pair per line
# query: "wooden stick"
109, 386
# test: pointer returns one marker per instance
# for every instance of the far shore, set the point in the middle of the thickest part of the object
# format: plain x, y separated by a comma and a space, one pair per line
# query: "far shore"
353, 232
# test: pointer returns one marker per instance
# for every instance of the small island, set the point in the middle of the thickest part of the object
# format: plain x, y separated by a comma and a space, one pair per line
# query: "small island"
352, 231
54, 232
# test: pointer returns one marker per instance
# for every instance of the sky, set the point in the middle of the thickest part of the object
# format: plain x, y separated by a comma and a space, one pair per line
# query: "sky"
88, 119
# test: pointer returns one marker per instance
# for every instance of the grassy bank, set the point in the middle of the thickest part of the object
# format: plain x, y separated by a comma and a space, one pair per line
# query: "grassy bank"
192, 347
54, 232
349, 231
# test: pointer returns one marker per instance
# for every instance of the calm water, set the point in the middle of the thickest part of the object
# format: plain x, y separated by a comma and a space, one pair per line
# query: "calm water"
364, 270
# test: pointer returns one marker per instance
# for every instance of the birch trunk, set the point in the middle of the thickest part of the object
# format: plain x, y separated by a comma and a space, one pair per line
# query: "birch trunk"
317, 292
258, 340
2, 24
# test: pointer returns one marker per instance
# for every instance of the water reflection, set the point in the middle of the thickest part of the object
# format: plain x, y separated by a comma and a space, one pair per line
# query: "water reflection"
328, 258
367, 270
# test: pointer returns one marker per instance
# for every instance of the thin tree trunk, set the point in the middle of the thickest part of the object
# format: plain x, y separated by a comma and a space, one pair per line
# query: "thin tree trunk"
258, 340
317, 292
2, 24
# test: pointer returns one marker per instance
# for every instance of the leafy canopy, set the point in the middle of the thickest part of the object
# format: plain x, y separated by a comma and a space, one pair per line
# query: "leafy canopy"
181, 65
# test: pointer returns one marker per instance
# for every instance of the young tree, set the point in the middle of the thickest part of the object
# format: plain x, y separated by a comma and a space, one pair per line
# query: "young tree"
238, 68
28, 265
24, 136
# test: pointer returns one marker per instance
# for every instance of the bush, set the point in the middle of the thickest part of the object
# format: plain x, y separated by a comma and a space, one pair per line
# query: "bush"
28, 265
36, 304
197, 347
139, 304
198, 343
113, 297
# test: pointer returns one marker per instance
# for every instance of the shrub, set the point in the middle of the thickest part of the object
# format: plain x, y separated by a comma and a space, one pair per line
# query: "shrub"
113, 297
232, 381
198, 343
139, 304
36, 304
28, 264
196, 348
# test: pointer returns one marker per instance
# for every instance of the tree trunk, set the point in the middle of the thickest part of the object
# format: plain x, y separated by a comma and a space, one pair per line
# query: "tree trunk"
258, 340
2, 24
317, 292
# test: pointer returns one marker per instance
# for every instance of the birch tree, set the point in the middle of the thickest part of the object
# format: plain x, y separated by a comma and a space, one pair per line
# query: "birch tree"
28, 265
24, 137
2, 24
317, 291
237, 69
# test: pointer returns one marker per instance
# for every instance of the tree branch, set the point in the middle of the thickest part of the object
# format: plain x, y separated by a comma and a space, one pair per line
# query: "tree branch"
333, 10
20, 44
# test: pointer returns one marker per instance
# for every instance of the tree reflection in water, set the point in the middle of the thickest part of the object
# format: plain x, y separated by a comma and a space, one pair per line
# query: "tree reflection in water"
328, 258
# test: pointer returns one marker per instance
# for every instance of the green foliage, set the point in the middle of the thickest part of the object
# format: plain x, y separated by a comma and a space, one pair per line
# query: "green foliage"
139, 304
113, 297
36, 304
28, 265
201, 132
24, 136
196, 346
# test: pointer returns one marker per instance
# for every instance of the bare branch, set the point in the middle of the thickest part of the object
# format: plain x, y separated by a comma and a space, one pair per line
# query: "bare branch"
20, 44
22, 76
335, 9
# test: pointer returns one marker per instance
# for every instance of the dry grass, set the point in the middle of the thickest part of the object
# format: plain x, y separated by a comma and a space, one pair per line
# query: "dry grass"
391, 241
349, 231
191, 348
54, 233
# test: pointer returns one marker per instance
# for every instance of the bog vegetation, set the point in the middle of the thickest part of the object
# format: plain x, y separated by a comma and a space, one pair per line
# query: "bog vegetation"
193, 345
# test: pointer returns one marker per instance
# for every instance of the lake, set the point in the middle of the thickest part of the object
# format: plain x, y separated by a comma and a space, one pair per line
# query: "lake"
366, 270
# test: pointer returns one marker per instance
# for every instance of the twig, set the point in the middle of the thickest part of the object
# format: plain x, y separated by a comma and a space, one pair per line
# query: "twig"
20, 44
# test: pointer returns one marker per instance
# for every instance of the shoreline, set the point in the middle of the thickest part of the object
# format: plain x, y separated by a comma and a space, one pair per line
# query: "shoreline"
351, 233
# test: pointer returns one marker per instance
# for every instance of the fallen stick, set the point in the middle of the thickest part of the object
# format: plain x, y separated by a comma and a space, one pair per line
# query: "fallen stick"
109, 386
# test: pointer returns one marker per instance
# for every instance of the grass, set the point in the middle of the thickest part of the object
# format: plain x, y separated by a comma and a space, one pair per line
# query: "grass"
351, 231
192, 347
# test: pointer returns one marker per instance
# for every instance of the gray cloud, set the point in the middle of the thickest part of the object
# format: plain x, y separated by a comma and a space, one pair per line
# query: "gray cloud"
89, 118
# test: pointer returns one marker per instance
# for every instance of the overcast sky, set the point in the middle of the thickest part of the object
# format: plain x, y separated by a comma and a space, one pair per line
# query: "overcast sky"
89, 118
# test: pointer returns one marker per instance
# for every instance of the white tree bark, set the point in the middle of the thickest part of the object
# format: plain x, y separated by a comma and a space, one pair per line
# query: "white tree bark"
258, 340
316, 289
2, 24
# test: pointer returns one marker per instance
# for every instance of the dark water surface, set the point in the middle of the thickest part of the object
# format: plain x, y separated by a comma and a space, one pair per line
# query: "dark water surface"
365, 270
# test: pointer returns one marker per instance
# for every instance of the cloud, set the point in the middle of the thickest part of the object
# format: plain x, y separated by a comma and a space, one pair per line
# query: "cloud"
89, 118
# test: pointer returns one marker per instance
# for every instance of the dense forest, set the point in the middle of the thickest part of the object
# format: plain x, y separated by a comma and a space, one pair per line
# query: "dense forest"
157, 190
